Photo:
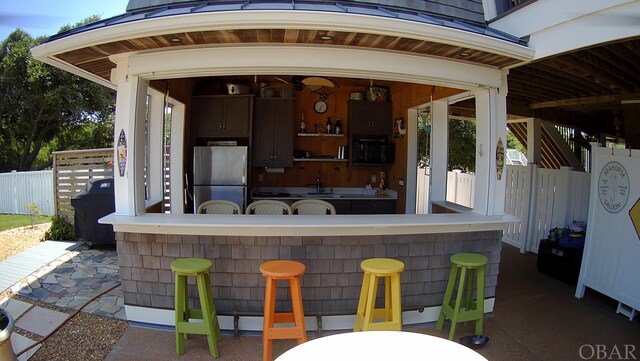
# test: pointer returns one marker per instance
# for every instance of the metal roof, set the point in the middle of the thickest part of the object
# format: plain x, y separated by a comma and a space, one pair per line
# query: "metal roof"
346, 7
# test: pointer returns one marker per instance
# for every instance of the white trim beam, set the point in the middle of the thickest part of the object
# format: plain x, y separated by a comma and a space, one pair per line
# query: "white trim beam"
164, 317
302, 59
562, 26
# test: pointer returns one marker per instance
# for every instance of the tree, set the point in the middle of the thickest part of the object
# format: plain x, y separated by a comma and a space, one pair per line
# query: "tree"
462, 145
44, 107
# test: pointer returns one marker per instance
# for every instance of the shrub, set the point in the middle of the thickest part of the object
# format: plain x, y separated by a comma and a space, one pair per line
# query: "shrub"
60, 230
34, 212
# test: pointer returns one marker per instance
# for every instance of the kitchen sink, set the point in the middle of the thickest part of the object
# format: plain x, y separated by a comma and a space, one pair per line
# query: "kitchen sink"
273, 194
323, 195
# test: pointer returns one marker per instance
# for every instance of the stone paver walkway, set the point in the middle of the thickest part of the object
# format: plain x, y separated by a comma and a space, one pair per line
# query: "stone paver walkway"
73, 279
68, 282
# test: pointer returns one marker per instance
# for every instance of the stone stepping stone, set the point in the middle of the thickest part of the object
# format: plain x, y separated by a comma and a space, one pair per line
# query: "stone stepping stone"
19, 343
41, 321
14, 307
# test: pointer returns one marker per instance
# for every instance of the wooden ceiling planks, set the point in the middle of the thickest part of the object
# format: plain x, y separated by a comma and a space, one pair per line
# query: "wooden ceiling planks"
94, 59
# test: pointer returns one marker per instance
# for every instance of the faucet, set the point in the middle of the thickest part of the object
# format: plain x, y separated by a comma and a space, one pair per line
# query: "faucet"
318, 184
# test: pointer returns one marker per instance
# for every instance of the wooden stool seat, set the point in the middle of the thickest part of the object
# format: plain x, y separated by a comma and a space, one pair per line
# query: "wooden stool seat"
282, 269
274, 271
461, 310
367, 313
198, 267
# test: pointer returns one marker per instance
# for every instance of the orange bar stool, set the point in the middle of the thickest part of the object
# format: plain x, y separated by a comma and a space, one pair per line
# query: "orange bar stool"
274, 271
199, 268
465, 310
367, 313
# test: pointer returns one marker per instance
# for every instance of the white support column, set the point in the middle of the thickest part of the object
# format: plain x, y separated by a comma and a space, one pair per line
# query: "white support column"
177, 168
491, 125
412, 160
130, 112
534, 136
155, 174
439, 151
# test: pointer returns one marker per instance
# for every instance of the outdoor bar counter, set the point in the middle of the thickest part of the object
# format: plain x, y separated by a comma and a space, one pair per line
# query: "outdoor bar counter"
331, 247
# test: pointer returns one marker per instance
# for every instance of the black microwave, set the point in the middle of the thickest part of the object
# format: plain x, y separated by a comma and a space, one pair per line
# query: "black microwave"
371, 150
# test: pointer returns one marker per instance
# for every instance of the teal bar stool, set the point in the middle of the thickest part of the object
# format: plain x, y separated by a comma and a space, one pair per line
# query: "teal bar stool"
199, 268
464, 310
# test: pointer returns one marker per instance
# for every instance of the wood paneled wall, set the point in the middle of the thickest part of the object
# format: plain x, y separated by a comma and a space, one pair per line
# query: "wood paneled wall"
339, 174
332, 174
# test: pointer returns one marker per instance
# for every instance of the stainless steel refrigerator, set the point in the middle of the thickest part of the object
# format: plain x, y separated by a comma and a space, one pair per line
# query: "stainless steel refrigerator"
220, 172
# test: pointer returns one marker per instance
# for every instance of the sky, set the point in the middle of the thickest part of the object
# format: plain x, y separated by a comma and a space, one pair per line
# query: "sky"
46, 17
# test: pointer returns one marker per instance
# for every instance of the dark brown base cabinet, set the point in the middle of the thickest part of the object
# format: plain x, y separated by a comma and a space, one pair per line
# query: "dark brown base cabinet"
350, 206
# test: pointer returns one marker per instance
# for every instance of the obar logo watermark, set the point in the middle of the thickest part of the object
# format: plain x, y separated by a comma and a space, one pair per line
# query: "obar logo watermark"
604, 352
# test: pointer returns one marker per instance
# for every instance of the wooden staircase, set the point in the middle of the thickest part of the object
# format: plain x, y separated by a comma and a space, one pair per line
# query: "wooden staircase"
555, 152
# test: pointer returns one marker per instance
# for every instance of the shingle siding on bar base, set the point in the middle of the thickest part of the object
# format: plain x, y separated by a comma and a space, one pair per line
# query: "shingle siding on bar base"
332, 281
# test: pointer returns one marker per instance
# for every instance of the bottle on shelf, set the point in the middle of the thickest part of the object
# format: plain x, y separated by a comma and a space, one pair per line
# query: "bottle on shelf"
328, 125
303, 125
338, 127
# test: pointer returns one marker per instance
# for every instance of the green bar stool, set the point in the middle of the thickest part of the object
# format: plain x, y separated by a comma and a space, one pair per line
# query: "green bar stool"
467, 309
199, 268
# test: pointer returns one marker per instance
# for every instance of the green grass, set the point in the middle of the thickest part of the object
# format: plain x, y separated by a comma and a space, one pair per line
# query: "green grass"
9, 221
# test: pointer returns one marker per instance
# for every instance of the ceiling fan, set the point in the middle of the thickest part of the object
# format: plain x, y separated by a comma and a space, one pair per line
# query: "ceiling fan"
314, 83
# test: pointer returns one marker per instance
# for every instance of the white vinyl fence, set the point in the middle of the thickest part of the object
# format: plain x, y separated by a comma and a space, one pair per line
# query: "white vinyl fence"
18, 189
460, 189
542, 198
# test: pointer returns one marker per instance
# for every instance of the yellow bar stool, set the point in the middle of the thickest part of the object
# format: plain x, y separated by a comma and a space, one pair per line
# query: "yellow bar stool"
367, 313
274, 271
199, 268
464, 310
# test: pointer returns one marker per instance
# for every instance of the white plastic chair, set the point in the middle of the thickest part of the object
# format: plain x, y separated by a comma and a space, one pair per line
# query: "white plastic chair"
217, 206
313, 207
269, 207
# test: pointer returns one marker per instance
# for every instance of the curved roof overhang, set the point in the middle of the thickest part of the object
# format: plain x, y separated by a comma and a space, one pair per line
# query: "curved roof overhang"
88, 51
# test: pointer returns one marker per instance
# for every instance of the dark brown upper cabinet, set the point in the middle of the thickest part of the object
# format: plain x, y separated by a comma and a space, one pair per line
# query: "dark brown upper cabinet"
370, 118
221, 116
272, 141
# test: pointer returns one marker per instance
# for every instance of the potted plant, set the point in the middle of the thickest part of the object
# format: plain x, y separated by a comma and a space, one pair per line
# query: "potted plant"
6, 329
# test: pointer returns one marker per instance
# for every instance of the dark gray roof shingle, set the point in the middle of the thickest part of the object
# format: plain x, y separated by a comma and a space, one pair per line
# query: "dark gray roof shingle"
469, 10
426, 12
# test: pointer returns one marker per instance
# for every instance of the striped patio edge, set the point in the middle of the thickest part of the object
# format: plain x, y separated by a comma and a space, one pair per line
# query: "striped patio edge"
13, 269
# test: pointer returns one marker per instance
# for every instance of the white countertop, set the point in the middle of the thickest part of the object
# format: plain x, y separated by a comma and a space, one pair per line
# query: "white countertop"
296, 225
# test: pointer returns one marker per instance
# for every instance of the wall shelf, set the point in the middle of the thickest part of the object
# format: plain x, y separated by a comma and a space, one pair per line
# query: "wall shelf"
319, 135
319, 160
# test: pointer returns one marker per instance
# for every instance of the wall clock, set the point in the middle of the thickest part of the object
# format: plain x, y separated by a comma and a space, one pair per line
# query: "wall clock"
320, 106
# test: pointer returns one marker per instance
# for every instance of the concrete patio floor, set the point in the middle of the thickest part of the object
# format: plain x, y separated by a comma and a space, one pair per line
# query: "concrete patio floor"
536, 317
